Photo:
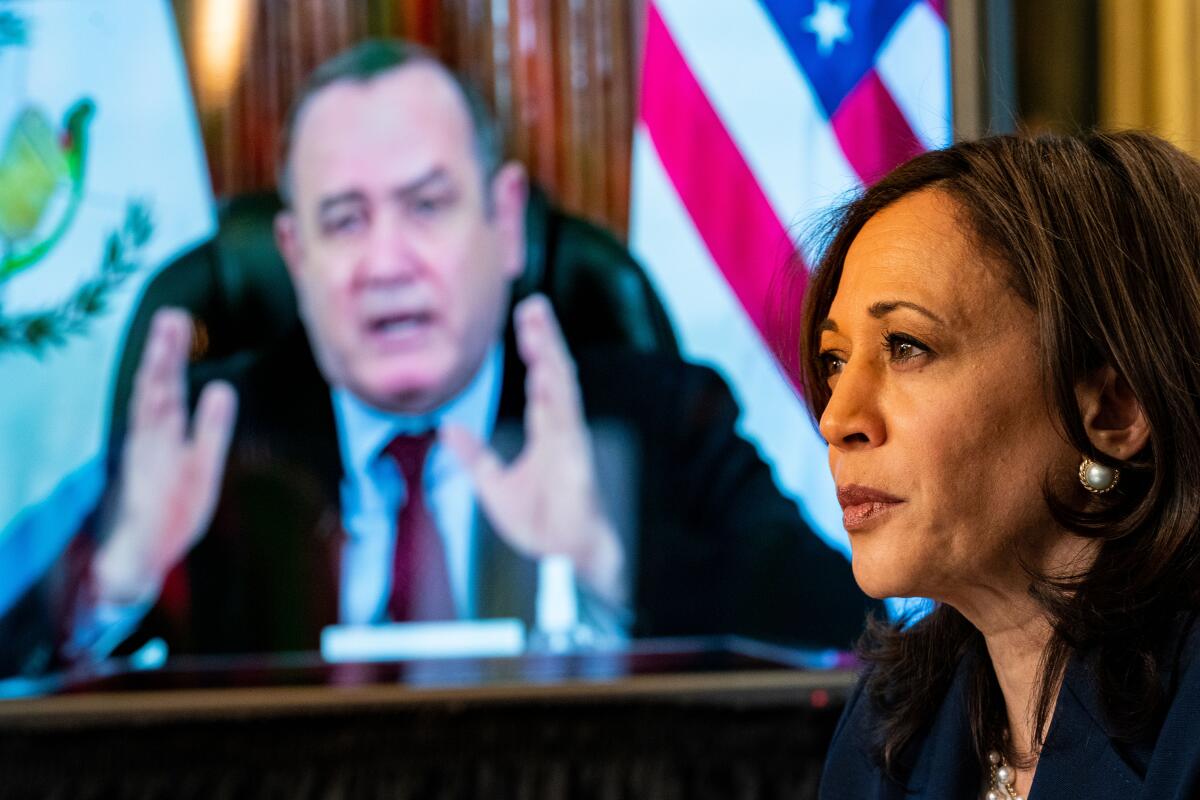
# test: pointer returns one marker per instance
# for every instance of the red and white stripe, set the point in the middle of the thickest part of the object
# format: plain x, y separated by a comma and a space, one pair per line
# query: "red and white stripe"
733, 162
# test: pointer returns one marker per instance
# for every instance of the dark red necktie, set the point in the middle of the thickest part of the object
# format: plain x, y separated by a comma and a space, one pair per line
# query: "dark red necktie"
420, 583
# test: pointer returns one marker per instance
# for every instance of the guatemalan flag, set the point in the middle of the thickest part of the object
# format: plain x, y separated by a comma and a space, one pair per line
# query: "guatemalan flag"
102, 180
756, 117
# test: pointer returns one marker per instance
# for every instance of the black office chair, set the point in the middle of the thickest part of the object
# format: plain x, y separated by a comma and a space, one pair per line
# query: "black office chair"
241, 298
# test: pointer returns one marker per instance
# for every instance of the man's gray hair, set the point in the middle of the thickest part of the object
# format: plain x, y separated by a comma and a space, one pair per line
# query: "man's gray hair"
368, 60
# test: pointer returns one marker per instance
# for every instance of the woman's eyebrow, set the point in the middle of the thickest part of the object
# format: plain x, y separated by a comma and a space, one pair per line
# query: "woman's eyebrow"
882, 309
885, 307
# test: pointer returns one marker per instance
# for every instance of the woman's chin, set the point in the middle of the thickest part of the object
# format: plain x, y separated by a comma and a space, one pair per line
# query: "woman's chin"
879, 578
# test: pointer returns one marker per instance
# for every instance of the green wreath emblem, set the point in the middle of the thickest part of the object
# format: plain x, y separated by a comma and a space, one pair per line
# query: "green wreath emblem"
37, 164
38, 330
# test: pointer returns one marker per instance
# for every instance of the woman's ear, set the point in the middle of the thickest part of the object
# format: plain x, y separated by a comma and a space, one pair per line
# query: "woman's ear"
1112, 416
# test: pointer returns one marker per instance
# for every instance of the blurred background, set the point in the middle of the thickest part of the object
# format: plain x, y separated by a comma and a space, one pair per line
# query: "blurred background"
745, 132
563, 74
564, 78
101, 82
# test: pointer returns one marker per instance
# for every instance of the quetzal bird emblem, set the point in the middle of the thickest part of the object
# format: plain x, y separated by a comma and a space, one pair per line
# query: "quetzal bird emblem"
37, 166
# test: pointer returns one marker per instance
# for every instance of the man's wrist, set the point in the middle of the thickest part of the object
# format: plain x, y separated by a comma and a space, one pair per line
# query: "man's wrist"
120, 575
601, 565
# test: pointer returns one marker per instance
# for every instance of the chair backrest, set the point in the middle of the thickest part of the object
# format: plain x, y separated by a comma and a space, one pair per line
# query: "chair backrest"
241, 298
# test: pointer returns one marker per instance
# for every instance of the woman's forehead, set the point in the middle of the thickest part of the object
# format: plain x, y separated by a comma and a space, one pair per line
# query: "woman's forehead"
918, 249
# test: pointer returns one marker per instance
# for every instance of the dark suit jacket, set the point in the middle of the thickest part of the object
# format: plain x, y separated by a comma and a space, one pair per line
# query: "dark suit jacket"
712, 545
1081, 757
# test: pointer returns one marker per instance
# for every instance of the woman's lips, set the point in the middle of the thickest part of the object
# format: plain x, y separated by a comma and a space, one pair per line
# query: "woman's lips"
861, 505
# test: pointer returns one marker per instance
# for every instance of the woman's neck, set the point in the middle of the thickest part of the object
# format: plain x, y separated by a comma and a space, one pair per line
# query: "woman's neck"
1016, 650
1017, 633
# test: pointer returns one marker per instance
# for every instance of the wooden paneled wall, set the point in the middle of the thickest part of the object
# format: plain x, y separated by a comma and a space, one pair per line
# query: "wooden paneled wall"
561, 74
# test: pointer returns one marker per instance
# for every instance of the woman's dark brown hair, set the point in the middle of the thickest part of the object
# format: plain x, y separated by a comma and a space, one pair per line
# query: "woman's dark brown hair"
1101, 238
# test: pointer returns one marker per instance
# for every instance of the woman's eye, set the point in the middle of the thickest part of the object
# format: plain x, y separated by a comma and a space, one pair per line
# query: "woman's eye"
902, 348
831, 364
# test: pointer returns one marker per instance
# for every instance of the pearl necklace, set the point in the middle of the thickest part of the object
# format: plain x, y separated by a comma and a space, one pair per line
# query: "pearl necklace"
1001, 786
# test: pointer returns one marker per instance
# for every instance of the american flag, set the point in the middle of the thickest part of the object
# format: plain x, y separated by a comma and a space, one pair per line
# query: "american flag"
756, 116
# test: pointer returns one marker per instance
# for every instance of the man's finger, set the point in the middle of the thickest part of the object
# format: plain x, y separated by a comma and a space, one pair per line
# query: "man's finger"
481, 463
160, 382
212, 430
537, 404
551, 387
552, 407
539, 337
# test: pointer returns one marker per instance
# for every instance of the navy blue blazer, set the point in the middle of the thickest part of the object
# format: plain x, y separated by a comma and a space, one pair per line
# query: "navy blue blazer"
1079, 759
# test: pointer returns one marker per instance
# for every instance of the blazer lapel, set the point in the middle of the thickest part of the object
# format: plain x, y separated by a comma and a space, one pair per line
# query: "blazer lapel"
291, 426
1078, 758
505, 581
946, 764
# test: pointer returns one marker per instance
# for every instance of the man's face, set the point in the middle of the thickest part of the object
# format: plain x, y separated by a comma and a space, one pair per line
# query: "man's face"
401, 254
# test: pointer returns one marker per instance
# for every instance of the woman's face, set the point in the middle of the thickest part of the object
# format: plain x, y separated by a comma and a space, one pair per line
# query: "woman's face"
940, 436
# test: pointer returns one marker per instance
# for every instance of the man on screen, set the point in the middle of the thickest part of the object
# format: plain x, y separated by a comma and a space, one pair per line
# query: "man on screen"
413, 452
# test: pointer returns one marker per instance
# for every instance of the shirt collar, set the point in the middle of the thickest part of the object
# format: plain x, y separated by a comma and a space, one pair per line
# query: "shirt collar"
363, 430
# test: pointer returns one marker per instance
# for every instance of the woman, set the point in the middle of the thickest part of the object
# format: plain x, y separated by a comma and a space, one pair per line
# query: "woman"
1001, 344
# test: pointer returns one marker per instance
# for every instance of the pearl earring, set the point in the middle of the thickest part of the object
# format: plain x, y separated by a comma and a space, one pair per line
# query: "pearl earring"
1097, 478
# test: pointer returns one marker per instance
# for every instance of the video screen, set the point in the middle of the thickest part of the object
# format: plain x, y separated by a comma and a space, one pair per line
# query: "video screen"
470, 354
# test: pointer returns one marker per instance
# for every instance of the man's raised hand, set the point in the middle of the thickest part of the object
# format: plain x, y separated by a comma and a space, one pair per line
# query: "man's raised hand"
546, 501
170, 471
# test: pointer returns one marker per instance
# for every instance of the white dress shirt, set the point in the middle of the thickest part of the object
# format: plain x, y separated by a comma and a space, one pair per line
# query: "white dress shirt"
373, 492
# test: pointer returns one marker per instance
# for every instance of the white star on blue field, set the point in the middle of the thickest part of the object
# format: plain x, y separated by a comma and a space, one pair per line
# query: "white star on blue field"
828, 22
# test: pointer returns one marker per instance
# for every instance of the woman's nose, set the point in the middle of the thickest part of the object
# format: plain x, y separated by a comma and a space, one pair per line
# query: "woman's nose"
853, 417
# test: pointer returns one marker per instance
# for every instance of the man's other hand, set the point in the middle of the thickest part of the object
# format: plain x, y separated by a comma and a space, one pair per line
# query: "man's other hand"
170, 472
546, 501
